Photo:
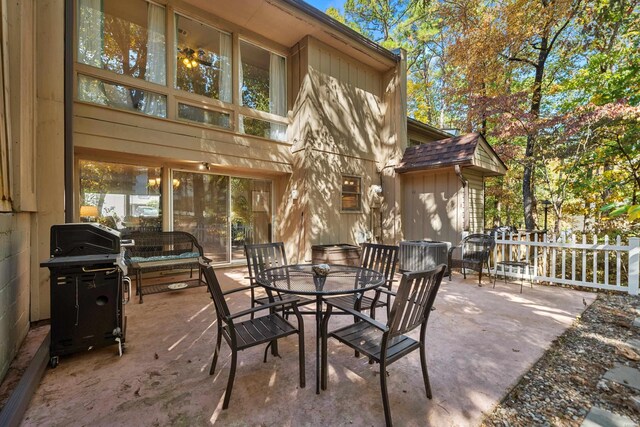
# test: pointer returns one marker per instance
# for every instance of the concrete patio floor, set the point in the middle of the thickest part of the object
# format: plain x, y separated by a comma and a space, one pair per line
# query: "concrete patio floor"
480, 342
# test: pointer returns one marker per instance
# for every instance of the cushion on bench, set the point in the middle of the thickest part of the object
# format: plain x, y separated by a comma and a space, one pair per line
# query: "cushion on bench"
185, 255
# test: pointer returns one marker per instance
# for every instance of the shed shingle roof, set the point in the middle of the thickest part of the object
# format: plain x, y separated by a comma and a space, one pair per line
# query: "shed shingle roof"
458, 150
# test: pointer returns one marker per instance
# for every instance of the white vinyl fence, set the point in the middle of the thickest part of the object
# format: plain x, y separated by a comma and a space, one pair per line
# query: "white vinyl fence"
594, 263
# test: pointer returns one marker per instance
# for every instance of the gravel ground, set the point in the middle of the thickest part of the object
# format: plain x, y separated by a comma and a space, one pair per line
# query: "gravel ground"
567, 381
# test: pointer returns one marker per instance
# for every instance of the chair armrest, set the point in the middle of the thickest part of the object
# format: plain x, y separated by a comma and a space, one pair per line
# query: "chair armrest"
240, 289
205, 259
453, 248
359, 315
386, 291
262, 307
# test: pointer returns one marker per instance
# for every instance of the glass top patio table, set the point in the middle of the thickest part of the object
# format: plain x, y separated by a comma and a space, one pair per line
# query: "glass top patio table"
300, 279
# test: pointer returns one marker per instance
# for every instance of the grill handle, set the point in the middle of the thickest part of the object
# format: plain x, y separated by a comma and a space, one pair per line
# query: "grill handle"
109, 270
126, 297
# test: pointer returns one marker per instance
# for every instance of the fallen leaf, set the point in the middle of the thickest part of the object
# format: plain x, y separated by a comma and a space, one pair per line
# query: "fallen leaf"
628, 353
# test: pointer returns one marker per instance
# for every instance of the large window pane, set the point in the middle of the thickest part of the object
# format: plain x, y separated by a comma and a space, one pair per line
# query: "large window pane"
250, 214
126, 37
119, 96
263, 80
203, 63
200, 115
200, 208
120, 196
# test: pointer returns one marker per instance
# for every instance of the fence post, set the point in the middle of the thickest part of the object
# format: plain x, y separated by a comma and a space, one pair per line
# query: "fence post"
634, 264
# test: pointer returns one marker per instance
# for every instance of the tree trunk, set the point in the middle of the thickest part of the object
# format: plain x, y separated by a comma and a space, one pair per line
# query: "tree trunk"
536, 100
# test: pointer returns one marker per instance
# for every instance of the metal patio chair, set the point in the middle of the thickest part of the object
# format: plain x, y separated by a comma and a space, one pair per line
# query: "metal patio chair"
475, 253
241, 335
381, 258
261, 257
385, 344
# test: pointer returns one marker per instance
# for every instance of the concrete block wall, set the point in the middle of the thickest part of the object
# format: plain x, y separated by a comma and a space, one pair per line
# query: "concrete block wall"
15, 237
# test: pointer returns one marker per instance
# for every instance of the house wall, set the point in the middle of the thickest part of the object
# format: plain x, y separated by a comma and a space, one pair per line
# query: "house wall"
15, 246
432, 206
22, 122
338, 118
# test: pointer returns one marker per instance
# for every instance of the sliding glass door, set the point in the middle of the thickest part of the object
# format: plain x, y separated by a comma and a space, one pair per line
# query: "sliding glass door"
224, 213
250, 214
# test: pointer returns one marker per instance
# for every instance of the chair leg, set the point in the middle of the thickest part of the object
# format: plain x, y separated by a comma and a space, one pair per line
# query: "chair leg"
301, 364
425, 373
385, 395
232, 374
216, 351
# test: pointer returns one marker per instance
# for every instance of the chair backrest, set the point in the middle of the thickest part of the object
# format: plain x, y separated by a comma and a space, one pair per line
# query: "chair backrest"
477, 247
222, 310
414, 299
381, 258
262, 256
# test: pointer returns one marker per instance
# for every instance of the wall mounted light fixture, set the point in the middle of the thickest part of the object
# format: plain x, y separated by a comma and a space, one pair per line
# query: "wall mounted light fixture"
376, 189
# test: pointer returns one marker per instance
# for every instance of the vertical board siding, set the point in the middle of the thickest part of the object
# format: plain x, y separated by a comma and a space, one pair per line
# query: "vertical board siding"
346, 71
430, 206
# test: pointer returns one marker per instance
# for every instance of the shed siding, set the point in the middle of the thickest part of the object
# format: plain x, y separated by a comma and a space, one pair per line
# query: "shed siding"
476, 201
430, 206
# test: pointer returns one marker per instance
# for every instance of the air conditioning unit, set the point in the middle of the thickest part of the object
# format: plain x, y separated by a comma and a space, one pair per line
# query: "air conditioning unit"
417, 255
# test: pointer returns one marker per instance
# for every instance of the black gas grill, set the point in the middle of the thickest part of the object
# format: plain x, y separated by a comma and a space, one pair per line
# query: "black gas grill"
89, 286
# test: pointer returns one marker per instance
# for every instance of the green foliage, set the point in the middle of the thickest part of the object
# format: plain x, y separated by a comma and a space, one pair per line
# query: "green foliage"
472, 65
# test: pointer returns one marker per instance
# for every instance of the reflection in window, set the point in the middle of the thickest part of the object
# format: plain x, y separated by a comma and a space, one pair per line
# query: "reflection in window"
203, 63
120, 196
263, 84
201, 115
200, 207
263, 128
124, 37
119, 96
351, 193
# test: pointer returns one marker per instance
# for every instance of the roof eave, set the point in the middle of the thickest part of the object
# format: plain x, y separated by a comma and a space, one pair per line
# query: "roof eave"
341, 28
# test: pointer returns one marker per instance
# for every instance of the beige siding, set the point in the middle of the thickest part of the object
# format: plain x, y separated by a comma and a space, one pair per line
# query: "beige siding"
330, 62
431, 207
476, 201
125, 133
338, 118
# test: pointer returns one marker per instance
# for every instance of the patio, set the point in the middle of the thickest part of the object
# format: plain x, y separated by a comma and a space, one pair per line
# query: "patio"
482, 341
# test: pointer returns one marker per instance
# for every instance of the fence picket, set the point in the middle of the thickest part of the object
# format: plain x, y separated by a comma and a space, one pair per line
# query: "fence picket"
606, 261
618, 261
573, 258
584, 259
595, 261
549, 253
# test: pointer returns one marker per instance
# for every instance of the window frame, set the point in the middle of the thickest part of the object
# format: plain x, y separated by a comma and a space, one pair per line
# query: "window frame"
343, 193
175, 96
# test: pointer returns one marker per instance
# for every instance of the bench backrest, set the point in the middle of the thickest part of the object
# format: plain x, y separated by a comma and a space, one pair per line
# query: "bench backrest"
163, 243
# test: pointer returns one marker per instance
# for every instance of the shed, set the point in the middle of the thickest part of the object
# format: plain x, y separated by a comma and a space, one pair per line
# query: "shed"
443, 186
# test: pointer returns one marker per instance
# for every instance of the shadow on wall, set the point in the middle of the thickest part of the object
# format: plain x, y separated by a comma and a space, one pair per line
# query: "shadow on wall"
335, 130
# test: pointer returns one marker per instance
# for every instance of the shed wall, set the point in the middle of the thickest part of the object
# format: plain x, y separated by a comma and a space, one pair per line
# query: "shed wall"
432, 206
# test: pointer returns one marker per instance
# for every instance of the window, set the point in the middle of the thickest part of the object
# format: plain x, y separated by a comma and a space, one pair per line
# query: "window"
203, 64
263, 84
263, 128
124, 37
119, 96
351, 193
201, 115
120, 196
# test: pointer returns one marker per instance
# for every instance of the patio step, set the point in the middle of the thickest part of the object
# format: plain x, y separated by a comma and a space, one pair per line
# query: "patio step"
598, 417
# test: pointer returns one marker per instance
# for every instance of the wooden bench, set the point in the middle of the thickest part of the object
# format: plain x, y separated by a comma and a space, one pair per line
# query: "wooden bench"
163, 251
